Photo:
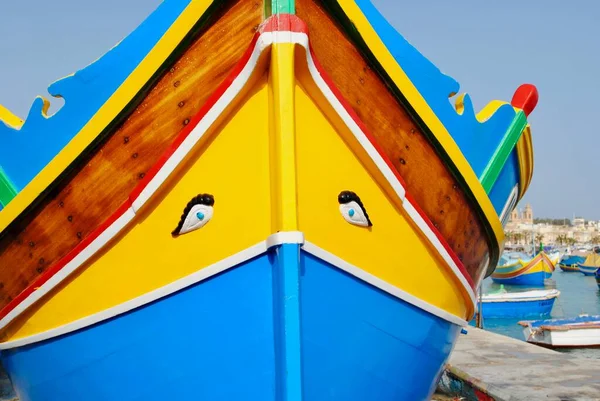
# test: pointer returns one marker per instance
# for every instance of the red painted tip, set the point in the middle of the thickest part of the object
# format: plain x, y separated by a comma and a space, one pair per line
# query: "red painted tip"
525, 98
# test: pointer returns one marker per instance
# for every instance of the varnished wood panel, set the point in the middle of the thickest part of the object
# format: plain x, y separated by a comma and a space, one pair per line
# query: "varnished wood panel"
427, 178
102, 181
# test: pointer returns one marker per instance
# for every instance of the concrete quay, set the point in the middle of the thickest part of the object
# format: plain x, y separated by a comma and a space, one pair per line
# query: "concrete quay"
487, 366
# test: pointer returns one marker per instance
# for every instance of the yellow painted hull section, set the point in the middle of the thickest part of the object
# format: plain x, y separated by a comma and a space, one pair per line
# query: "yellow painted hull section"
540, 263
234, 167
393, 249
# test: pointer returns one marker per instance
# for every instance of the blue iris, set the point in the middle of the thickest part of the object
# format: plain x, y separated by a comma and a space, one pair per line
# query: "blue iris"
200, 216
351, 212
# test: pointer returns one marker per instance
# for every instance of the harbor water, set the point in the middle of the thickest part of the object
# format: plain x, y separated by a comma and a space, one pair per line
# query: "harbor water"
579, 295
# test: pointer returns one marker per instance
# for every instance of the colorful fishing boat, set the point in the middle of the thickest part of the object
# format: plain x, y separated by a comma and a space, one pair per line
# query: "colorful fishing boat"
590, 265
516, 269
524, 304
598, 277
230, 205
570, 262
582, 331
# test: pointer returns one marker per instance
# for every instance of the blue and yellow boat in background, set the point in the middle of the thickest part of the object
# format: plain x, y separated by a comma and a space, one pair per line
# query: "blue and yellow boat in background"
516, 269
231, 205
590, 265
570, 262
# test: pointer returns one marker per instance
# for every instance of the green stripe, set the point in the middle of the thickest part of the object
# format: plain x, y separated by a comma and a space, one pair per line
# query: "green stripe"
273, 7
492, 170
7, 189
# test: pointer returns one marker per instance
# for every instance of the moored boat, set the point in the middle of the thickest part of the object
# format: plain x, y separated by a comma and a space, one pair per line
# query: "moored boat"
515, 269
570, 262
582, 331
524, 304
228, 203
598, 277
590, 265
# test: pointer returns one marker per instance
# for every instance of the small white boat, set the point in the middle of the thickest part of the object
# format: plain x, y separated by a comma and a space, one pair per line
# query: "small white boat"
503, 304
582, 331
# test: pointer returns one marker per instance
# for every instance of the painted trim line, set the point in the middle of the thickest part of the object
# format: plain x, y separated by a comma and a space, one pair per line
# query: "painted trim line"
224, 265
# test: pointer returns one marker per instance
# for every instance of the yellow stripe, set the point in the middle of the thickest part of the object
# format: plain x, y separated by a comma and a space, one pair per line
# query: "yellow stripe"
283, 137
417, 101
108, 112
8, 118
525, 156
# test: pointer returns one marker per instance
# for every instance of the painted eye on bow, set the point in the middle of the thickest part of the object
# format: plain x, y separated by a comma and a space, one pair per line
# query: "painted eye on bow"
353, 210
196, 214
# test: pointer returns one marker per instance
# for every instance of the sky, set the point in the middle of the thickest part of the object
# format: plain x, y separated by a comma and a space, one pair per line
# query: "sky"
489, 47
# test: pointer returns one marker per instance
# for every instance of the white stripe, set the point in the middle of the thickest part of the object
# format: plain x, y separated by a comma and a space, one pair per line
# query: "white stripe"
207, 121
435, 242
510, 204
285, 237
379, 283
70, 267
224, 265
280, 238
302, 39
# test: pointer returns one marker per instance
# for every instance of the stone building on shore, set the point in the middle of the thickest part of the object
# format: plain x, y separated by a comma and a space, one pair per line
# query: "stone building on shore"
521, 230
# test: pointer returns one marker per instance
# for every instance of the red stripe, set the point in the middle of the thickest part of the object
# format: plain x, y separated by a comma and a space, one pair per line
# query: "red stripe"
58, 266
210, 102
528, 266
389, 163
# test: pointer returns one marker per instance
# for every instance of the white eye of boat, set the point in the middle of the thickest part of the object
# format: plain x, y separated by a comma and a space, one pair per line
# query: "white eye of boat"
197, 213
353, 210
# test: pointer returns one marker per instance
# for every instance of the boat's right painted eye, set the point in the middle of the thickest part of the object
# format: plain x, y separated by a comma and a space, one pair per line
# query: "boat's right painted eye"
353, 210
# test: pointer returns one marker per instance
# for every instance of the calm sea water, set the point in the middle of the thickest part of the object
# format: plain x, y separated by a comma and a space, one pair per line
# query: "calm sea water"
578, 294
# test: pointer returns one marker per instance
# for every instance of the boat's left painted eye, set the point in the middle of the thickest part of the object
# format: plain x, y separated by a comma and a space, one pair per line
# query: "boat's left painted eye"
197, 213
353, 210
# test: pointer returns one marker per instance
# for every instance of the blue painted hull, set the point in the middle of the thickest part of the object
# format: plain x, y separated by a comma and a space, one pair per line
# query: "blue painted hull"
532, 279
598, 277
522, 309
283, 326
588, 270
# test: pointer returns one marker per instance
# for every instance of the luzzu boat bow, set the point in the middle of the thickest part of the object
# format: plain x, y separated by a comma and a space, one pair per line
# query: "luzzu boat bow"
235, 210
516, 271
